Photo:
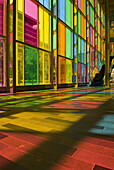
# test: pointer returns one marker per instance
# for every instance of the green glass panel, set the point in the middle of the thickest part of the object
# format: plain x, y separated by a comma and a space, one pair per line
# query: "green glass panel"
54, 2
79, 50
50, 5
92, 2
31, 66
69, 13
54, 24
68, 43
79, 23
46, 68
41, 62
92, 16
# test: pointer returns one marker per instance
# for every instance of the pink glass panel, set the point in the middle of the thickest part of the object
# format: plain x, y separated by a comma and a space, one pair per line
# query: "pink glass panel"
95, 3
91, 36
31, 23
91, 56
79, 72
79, 4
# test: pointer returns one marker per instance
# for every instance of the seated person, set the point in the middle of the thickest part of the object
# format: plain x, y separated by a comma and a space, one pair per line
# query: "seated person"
98, 79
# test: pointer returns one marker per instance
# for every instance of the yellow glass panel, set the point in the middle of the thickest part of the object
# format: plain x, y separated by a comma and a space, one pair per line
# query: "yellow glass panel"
68, 71
46, 31
46, 68
75, 16
20, 5
41, 28
20, 20
19, 65
101, 15
11, 1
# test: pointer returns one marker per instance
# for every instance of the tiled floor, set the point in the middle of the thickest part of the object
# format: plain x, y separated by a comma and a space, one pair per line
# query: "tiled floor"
57, 130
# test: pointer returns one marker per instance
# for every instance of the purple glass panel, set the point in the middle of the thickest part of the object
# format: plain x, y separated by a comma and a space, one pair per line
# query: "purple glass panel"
31, 23
79, 4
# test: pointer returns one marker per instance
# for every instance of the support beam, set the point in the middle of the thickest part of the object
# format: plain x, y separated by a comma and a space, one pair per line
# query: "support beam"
14, 46
56, 57
52, 58
73, 47
76, 85
107, 46
7, 46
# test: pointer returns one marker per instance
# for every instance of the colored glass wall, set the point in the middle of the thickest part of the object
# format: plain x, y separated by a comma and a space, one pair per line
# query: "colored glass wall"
78, 43
33, 25
87, 40
82, 41
65, 41
2, 41
11, 45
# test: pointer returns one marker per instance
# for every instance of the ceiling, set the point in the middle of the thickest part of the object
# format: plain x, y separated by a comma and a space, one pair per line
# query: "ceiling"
111, 10
111, 6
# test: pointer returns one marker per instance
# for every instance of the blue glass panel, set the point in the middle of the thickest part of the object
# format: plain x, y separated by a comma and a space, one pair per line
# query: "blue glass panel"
75, 39
62, 10
75, 67
98, 59
72, 45
41, 1
75, 79
75, 51
47, 3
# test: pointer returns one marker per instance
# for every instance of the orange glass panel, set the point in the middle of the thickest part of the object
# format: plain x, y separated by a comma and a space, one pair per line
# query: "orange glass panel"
83, 27
62, 39
83, 6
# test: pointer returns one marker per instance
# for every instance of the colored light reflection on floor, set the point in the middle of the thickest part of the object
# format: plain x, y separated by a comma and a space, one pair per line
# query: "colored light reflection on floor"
34, 135
42, 122
75, 105
93, 98
107, 124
